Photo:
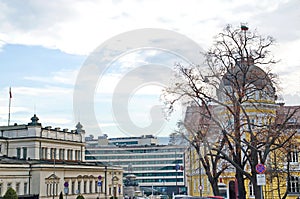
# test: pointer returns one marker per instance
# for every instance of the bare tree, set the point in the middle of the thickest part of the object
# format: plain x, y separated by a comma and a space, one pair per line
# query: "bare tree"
200, 136
283, 162
238, 97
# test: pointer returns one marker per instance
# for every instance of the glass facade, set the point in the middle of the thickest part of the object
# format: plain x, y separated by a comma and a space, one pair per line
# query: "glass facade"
153, 165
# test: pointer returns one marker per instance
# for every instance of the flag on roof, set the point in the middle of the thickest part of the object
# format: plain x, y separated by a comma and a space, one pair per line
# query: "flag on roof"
244, 27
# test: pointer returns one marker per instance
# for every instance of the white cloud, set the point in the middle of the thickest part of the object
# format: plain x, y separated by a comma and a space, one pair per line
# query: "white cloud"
65, 77
43, 91
78, 27
57, 121
14, 109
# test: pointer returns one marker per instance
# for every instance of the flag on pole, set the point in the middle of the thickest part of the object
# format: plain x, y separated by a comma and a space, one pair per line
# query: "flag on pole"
10, 95
244, 26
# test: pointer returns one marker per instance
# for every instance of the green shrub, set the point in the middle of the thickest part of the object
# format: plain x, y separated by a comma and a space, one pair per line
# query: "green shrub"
80, 197
113, 197
10, 194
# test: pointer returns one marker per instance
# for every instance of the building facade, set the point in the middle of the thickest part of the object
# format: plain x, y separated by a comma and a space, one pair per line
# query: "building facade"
43, 162
159, 169
257, 122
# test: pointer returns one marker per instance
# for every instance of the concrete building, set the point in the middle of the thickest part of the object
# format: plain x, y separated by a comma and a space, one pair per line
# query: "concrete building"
158, 168
42, 162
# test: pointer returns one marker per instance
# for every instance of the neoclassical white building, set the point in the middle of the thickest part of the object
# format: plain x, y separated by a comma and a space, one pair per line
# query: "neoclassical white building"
42, 162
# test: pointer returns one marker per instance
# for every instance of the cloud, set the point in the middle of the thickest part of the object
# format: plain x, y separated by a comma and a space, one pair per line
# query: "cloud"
42, 91
14, 109
80, 26
62, 77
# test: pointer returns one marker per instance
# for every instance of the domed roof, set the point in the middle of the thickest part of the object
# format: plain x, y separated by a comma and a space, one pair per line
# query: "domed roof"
249, 75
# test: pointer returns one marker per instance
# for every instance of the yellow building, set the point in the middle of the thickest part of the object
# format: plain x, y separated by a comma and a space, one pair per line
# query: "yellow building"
258, 109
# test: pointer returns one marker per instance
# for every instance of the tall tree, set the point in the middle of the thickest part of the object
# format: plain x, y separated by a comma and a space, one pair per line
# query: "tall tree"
198, 131
238, 97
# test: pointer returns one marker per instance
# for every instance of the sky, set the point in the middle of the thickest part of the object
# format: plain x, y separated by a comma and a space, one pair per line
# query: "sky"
46, 45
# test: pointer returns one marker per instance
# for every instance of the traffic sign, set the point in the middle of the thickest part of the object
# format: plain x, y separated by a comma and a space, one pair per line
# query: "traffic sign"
261, 179
260, 168
99, 183
66, 184
99, 177
66, 190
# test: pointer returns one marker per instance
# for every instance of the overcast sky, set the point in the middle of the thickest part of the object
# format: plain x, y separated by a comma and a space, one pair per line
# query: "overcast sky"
44, 44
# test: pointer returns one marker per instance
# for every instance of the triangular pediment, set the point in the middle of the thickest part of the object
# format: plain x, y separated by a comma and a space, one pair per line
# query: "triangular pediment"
115, 178
52, 177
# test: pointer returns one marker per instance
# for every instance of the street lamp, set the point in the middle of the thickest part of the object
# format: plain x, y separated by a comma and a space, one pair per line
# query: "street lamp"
200, 172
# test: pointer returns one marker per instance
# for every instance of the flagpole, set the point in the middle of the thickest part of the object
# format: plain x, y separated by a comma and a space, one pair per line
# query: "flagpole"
9, 106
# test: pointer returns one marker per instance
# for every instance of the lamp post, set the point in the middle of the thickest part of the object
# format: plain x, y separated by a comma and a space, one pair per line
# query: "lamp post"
66, 189
200, 173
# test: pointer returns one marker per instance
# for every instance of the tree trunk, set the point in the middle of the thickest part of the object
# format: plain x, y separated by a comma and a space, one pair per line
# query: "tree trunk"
238, 159
241, 185
215, 188
214, 184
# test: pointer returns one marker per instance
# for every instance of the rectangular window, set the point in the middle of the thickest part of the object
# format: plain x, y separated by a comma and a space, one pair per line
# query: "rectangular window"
51, 153
73, 187
56, 189
0, 189
61, 154
70, 154
18, 153
84, 187
96, 186
54, 154
78, 188
43, 153
91, 187
24, 153
25, 188
18, 188
294, 184
77, 154
293, 156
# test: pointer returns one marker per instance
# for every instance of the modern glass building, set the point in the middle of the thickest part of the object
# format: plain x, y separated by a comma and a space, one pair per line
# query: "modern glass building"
158, 168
